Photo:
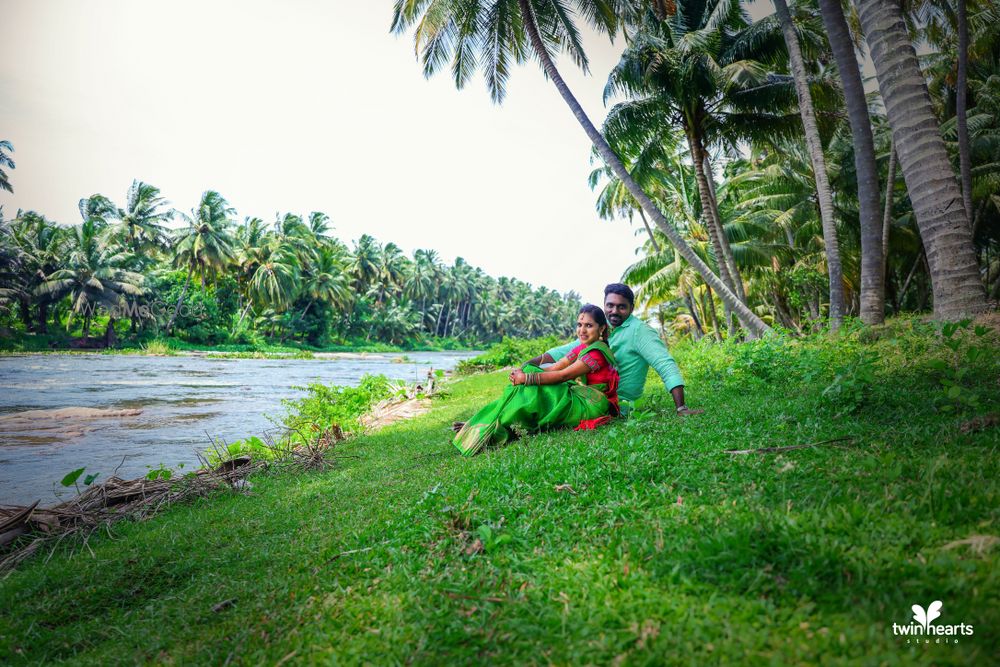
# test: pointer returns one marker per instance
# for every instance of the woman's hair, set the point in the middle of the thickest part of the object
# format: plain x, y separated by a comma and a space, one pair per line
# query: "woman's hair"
599, 317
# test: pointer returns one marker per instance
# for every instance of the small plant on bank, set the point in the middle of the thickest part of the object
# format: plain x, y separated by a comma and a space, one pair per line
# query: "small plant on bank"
852, 385
965, 355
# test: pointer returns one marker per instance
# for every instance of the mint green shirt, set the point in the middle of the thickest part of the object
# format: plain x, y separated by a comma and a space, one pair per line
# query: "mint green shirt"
637, 347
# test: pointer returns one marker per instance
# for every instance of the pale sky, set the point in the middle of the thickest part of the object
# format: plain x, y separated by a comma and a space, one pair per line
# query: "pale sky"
303, 105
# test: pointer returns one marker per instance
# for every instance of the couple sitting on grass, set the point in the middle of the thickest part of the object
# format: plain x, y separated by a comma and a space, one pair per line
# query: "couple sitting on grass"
591, 380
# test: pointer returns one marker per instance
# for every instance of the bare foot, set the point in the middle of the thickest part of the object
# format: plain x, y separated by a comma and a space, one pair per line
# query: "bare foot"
686, 411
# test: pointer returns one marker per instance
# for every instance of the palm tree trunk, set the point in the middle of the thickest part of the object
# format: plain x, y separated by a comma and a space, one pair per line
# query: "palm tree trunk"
961, 108
909, 276
689, 302
890, 191
707, 209
872, 292
24, 309
649, 231
243, 314
710, 306
754, 324
43, 316
177, 308
934, 192
815, 145
727, 250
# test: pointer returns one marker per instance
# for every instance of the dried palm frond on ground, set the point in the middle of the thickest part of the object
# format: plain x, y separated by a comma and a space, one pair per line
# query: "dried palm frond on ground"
114, 500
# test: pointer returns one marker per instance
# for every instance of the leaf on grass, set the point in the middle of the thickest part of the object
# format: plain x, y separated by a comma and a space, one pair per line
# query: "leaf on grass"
565, 488
978, 544
474, 548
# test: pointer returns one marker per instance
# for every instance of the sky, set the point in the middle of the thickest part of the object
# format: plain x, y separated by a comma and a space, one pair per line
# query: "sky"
307, 105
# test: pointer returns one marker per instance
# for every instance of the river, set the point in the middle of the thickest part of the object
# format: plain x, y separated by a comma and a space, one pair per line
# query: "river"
132, 413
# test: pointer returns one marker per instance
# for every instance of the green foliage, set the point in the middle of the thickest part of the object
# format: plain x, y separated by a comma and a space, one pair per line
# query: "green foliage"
206, 313
508, 352
324, 406
252, 446
852, 385
641, 539
966, 354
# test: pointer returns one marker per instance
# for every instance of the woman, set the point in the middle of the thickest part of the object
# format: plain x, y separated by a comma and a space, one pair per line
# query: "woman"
540, 399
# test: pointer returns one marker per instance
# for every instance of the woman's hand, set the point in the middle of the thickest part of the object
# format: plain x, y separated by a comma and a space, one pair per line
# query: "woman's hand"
517, 376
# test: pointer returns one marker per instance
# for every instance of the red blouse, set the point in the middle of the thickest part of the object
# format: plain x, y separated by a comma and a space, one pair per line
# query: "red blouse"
601, 372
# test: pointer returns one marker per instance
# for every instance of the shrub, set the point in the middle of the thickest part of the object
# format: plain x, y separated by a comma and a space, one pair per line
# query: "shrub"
323, 406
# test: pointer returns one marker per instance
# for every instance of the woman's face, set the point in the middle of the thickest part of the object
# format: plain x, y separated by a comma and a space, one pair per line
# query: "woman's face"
587, 330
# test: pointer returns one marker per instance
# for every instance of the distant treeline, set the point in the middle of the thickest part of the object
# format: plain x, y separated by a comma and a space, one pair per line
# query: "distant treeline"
216, 280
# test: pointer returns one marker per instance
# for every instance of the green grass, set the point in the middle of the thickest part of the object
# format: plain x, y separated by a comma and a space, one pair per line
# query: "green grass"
670, 551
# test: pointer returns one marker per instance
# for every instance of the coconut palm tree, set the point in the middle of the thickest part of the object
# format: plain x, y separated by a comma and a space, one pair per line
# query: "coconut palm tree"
326, 280
140, 225
274, 282
365, 267
815, 144
92, 276
422, 280
872, 254
495, 36
934, 192
204, 246
5, 162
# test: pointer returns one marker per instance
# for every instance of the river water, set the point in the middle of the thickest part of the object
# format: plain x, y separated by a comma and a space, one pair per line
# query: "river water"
63, 412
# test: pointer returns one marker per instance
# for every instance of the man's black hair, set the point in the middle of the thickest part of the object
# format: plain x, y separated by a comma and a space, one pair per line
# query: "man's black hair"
621, 289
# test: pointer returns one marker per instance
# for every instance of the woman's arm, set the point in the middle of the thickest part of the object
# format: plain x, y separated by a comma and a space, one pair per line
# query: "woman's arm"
570, 372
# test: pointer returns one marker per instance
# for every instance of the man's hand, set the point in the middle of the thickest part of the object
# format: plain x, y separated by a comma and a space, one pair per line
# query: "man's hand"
685, 411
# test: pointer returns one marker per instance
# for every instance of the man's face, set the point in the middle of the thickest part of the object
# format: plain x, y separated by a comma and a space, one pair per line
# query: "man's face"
617, 309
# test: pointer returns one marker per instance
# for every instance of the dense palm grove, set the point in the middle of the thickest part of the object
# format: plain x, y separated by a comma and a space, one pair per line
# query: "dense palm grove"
774, 186
215, 280
730, 100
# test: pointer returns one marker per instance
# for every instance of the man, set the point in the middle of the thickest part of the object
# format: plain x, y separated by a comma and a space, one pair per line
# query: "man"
637, 347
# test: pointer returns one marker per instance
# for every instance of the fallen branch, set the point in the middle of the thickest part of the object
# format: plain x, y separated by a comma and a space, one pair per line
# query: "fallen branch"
771, 450
460, 596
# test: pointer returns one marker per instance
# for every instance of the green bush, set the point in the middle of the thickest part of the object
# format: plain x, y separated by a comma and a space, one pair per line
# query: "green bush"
508, 352
323, 406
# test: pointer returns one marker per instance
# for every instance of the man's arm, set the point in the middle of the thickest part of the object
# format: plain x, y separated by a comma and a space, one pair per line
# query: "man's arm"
655, 352
553, 355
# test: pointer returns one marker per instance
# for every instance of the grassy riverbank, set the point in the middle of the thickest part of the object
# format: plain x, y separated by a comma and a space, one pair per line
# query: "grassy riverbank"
642, 542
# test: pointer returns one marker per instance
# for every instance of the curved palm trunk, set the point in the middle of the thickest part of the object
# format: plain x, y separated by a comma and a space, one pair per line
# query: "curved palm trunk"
818, 164
961, 109
727, 250
872, 291
708, 210
934, 192
754, 324
649, 231
890, 191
